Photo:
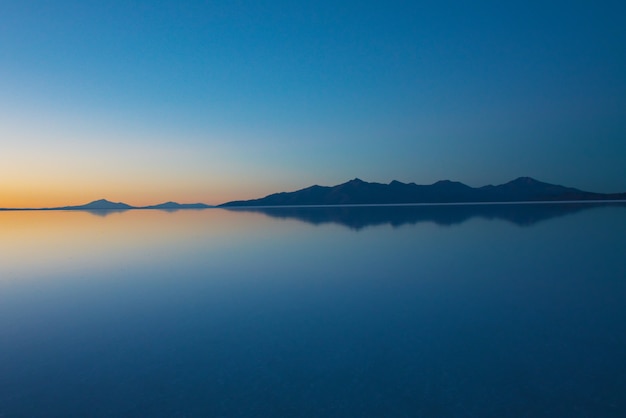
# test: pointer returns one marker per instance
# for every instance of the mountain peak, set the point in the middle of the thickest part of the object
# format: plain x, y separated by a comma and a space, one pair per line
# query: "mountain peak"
101, 204
355, 182
525, 180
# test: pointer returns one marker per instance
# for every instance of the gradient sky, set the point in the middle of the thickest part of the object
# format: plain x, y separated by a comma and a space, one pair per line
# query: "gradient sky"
147, 101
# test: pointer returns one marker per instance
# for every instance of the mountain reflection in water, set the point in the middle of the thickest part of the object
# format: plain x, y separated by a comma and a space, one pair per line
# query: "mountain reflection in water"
358, 217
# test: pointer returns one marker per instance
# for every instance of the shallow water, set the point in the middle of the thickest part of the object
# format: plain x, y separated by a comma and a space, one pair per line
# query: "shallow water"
494, 310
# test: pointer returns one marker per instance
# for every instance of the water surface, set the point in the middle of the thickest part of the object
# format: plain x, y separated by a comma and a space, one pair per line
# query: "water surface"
504, 310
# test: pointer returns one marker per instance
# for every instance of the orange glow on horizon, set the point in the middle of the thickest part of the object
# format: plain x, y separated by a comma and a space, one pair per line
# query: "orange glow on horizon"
68, 167
13, 196
65, 241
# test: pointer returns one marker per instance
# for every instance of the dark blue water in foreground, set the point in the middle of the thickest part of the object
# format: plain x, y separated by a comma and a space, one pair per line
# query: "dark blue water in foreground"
459, 311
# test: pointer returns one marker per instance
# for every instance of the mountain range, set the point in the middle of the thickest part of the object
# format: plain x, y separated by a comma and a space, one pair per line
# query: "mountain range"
359, 192
106, 205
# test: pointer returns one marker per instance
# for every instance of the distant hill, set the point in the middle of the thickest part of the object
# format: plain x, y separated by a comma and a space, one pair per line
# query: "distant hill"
101, 204
177, 206
358, 192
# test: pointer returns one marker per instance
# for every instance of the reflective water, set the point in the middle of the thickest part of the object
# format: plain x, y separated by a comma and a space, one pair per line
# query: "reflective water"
502, 310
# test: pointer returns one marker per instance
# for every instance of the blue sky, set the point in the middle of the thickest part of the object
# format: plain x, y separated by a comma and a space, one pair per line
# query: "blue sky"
213, 101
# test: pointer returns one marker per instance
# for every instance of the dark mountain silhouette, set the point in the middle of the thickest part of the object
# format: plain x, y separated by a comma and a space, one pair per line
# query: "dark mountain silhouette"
101, 204
358, 217
177, 206
359, 192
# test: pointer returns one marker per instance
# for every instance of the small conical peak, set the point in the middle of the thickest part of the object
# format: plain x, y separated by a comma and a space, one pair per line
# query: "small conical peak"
525, 180
105, 204
355, 182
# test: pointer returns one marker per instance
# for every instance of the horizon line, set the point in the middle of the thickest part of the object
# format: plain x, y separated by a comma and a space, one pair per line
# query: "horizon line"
474, 203
357, 179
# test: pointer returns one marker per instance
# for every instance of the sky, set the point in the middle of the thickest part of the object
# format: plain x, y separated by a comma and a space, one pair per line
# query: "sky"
211, 101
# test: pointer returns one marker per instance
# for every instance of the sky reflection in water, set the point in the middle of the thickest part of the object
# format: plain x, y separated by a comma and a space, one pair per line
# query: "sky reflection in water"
305, 313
